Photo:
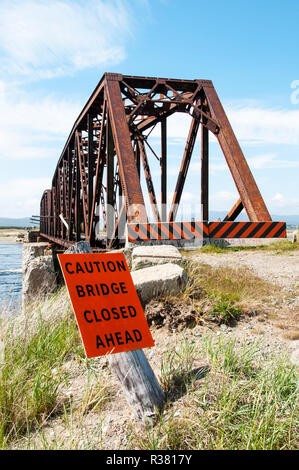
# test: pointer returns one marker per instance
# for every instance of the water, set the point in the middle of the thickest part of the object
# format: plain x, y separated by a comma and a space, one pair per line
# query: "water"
10, 274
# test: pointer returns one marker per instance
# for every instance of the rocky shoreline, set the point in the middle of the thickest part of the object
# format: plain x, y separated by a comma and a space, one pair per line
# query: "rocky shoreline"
15, 236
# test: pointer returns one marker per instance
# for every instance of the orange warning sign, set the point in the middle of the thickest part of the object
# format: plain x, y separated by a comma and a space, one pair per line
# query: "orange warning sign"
107, 308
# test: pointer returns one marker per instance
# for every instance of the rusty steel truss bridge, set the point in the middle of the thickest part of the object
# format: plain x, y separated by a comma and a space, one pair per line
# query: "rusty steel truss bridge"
96, 192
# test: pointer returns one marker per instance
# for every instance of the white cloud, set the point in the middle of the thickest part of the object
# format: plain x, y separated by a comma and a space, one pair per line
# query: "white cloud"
220, 200
34, 127
258, 162
44, 39
20, 197
270, 160
261, 161
265, 125
279, 201
253, 124
178, 125
195, 166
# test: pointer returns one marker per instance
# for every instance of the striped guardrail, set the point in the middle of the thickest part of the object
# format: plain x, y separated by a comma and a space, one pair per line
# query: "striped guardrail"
191, 230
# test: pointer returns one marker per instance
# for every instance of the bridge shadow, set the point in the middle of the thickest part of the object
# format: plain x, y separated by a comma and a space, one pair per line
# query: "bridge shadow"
180, 383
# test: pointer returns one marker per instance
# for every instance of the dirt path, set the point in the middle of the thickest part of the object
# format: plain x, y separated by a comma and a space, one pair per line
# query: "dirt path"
281, 269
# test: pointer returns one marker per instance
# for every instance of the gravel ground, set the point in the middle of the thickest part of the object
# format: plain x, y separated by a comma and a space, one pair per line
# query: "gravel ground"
281, 269
281, 318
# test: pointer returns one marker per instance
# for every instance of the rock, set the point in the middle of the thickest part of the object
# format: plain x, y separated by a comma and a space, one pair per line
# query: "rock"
295, 236
39, 278
144, 256
127, 254
173, 313
20, 237
294, 358
31, 251
31, 236
166, 279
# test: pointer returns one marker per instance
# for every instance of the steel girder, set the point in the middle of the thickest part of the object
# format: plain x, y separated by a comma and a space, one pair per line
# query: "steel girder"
97, 178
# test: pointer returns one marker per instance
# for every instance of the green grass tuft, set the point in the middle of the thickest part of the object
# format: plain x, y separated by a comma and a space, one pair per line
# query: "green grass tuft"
225, 310
242, 401
225, 293
29, 372
281, 246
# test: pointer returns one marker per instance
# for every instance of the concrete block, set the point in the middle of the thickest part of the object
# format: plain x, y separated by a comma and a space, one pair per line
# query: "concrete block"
33, 250
38, 279
144, 256
160, 280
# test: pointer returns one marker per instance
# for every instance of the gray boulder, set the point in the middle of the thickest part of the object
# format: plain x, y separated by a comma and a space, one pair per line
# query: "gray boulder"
39, 278
31, 251
161, 280
295, 236
144, 256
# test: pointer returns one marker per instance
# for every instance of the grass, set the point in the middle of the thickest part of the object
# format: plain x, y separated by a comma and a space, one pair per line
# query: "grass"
95, 396
41, 357
224, 293
242, 400
281, 246
29, 372
220, 395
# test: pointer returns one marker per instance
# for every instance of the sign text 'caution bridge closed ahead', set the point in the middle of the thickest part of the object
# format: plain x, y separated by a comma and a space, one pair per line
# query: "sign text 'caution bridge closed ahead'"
107, 308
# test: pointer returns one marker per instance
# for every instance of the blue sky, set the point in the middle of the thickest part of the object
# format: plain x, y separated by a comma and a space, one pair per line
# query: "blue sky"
54, 52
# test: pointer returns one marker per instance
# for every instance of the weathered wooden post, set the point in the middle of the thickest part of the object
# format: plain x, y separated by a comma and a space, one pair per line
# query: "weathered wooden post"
134, 372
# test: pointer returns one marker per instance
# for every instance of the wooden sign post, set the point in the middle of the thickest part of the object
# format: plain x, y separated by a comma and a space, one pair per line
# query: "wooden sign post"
112, 322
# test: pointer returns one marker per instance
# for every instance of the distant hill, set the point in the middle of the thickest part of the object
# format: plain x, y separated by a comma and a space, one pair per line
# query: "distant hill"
7, 222
289, 219
214, 215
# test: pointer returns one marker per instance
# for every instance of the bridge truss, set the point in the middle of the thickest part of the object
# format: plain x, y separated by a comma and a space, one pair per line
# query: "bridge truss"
96, 188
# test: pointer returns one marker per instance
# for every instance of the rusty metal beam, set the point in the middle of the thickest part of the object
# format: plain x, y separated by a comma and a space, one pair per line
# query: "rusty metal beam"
163, 164
235, 211
98, 174
90, 163
110, 183
124, 151
246, 185
204, 173
137, 157
84, 181
77, 196
119, 221
57, 240
184, 169
149, 181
